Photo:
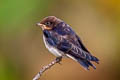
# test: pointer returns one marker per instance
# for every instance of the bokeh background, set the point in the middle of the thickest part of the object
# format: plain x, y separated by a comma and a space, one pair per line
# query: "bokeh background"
22, 52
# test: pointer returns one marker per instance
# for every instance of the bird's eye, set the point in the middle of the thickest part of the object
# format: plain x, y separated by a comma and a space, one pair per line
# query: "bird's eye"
48, 23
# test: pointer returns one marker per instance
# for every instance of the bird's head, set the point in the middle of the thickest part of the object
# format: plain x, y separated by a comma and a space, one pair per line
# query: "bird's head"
48, 23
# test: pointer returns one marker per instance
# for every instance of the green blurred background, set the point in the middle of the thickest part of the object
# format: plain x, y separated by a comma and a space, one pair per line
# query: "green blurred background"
22, 52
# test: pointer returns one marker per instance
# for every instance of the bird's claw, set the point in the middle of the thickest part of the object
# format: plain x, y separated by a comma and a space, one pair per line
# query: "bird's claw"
58, 59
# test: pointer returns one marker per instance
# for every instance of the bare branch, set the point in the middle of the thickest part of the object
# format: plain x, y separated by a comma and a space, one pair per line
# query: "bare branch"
44, 68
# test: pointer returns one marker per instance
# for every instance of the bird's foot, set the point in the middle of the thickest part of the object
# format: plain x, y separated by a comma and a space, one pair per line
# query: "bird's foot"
58, 59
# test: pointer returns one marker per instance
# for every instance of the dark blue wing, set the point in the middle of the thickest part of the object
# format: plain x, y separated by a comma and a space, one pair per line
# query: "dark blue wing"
70, 41
85, 51
81, 44
76, 52
64, 46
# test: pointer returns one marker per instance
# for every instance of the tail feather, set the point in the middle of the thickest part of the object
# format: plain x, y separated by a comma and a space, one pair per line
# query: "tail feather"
86, 63
89, 57
93, 58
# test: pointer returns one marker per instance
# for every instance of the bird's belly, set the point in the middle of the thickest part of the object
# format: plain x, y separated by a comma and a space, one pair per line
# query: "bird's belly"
52, 49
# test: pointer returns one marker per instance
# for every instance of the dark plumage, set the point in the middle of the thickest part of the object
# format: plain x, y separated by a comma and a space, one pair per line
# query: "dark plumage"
61, 40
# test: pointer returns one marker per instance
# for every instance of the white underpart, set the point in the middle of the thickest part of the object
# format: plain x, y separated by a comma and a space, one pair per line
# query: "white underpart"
56, 52
53, 50
71, 57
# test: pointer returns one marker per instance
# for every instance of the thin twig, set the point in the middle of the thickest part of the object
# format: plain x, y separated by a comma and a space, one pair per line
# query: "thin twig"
44, 68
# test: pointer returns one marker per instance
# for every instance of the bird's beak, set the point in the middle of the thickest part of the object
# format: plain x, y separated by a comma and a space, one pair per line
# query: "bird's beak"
38, 24
44, 27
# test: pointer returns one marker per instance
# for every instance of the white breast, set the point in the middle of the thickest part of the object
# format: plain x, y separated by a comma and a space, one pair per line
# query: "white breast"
52, 49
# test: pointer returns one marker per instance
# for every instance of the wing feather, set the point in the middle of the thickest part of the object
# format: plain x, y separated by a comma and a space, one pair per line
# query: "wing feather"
65, 40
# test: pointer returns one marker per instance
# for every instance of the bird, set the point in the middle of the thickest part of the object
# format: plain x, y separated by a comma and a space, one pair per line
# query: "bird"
62, 41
